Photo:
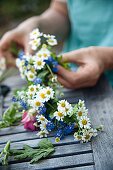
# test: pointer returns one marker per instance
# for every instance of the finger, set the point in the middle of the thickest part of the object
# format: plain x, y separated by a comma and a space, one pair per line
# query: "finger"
6, 40
81, 76
74, 56
64, 73
64, 82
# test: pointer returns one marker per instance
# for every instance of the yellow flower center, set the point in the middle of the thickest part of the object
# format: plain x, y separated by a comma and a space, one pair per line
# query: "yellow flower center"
57, 139
39, 63
87, 136
32, 70
60, 114
79, 137
84, 121
42, 118
42, 95
48, 92
31, 76
63, 104
45, 55
80, 113
39, 55
37, 103
31, 89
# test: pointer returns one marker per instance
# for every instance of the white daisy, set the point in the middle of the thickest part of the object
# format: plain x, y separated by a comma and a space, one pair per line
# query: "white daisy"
86, 136
30, 75
84, 122
35, 43
52, 41
32, 90
39, 63
49, 92
59, 115
77, 136
43, 126
65, 107
82, 111
42, 133
35, 34
81, 103
41, 118
42, 95
36, 103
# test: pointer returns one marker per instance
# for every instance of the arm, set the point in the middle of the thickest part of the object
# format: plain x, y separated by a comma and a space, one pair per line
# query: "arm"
54, 20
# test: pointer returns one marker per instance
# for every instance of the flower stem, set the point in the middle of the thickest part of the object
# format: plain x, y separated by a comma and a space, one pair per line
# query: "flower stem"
50, 70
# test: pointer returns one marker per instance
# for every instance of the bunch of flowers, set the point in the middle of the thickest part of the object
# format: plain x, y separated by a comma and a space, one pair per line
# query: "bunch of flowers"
43, 112
42, 65
2, 65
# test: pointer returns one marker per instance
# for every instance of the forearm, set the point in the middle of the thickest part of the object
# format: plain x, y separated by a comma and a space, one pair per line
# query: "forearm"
52, 21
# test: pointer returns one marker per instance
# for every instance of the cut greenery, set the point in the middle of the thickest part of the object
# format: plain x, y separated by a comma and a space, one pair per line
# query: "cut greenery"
43, 150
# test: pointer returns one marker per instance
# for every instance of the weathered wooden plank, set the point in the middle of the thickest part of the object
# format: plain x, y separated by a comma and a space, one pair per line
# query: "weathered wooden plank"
33, 142
12, 130
90, 167
101, 112
65, 150
55, 163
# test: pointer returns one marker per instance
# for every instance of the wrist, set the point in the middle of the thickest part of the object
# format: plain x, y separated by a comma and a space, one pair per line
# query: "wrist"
105, 55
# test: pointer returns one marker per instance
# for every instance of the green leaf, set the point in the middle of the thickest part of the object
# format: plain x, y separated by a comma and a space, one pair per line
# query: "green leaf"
45, 143
45, 148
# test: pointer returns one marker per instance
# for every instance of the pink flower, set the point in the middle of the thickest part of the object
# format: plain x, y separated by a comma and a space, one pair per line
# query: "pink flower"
28, 121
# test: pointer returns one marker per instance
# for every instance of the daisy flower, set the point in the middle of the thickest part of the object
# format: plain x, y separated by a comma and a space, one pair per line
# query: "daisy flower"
86, 135
59, 115
77, 136
35, 34
82, 111
41, 118
42, 133
49, 92
35, 43
43, 126
84, 122
42, 95
36, 103
30, 75
38, 63
31, 90
52, 41
65, 107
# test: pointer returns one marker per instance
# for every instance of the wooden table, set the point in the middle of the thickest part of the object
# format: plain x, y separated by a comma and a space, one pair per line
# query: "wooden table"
70, 154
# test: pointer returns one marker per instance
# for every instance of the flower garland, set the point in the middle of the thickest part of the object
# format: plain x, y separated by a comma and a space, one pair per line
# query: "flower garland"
42, 111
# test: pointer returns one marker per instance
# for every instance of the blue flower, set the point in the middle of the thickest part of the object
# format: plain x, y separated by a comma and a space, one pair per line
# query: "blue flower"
37, 81
23, 104
26, 62
50, 126
20, 54
14, 99
59, 133
55, 69
69, 129
42, 110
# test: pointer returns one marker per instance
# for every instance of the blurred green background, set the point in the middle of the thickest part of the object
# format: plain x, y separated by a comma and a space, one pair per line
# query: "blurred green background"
12, 12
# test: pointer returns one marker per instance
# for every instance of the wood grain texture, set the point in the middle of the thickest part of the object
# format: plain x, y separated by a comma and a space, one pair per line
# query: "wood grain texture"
54, 163
99, 101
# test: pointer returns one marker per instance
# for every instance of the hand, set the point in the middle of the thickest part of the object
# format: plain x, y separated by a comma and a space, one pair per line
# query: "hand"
20, 36
91, 62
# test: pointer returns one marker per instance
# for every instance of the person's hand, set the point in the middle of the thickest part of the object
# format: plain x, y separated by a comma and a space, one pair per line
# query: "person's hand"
91, 64
19, 36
